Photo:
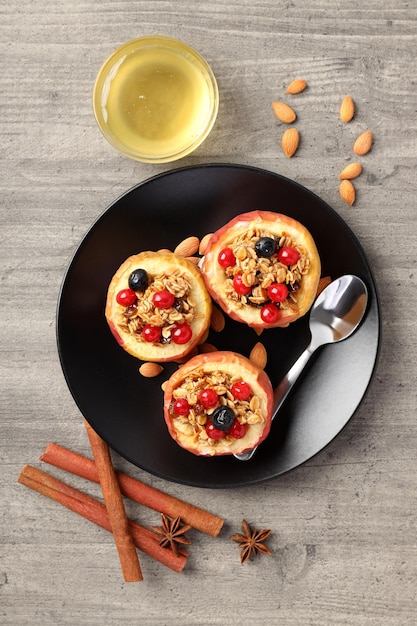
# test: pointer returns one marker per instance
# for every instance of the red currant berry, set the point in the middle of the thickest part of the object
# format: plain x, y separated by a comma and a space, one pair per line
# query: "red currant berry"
270, 313
150, 333
241, 390
126, 297
277, 292
181, 333
163, 299
226, 258
213, 432
181, 406
239, 287
208, 398
238, 430
288, 255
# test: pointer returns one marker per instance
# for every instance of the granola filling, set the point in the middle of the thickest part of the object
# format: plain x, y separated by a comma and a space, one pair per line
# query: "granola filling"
259, 273
135, 317
194, 423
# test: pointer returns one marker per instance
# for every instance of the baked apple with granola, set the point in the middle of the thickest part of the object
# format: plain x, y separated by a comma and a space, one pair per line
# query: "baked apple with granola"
157, 306
218, 403
263, 269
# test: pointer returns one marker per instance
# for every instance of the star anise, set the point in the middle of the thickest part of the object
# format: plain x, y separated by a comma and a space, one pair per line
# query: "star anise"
251, 542
172, 534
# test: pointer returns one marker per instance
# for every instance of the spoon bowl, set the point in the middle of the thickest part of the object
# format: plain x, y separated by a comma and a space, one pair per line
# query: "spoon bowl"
336, 314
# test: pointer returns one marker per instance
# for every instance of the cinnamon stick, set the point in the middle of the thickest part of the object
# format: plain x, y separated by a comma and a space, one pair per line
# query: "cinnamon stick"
115, 507
93, 510
136, 490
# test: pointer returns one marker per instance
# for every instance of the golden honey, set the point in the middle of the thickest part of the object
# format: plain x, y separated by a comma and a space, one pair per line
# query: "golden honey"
155, 99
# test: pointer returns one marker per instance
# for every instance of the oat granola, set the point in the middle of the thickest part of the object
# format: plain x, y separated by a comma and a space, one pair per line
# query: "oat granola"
133, 318
193, 424
261, 272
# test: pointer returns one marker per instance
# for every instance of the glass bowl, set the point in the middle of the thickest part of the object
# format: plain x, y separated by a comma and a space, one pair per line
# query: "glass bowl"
155, 99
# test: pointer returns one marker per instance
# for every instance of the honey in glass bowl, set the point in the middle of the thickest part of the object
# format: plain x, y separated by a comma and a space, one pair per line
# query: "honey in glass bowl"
155, 99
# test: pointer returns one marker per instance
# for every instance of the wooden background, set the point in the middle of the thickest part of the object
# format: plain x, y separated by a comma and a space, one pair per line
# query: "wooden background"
344, 524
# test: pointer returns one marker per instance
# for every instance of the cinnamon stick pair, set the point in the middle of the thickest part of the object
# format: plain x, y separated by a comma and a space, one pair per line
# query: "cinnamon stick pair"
112, 516
96, 512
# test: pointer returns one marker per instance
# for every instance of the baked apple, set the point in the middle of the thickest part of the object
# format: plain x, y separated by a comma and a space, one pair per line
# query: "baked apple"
218, 403
158, 307
263, 269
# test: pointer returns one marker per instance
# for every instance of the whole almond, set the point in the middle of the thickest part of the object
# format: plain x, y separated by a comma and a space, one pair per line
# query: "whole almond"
347, 109
207, 347
204, 243
188, 247
194, 259
363, 143
217, 321
296, 86
352, 170
347, 192
284, 112
258, 355
323, 282
290, 141
149, 370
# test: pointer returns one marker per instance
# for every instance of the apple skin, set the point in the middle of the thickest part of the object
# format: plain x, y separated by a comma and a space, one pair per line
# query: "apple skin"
154, 263
232, 363
277, 223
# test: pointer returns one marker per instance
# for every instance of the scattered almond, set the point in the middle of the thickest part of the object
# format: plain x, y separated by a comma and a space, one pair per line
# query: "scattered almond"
323, 282
203, 243
296, 86
284, 112
258, 331
193, 259
363, 143
347, 109
290, 141
188, 247
347, 192
352, 170
149, 370
258, 355
217, 321
207, 347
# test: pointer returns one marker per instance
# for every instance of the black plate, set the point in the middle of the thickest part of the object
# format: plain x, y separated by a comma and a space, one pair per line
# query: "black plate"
126, 409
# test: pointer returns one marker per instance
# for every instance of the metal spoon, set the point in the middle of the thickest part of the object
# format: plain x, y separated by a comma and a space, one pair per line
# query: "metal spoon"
335, 315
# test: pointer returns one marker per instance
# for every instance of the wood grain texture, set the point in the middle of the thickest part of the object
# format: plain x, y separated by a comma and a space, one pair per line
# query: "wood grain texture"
344, 524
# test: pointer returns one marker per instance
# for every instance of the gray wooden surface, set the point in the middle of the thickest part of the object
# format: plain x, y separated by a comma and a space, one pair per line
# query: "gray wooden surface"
344, 524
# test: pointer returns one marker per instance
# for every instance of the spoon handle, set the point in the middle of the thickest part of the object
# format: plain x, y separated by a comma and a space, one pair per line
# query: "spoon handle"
283, 389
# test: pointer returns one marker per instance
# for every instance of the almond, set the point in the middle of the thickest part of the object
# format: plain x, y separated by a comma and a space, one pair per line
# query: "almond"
296, 86
258, 355
323, 282
204, 242
347, 192
347, 109
363, 143
188, 247
217, 322
284, 112
207, 347
290, 141
193, 259
149, 370
352, 170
